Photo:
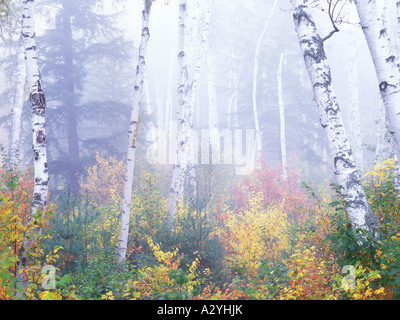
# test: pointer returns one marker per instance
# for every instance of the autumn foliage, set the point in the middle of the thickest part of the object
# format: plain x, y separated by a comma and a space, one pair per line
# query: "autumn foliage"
269, 239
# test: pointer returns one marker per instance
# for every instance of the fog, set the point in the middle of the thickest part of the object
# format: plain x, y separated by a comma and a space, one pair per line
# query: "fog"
105, 40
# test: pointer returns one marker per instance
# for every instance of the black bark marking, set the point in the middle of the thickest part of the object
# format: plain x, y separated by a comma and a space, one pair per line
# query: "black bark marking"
347, 162
391, 59
382, 33
383, 86
41, 137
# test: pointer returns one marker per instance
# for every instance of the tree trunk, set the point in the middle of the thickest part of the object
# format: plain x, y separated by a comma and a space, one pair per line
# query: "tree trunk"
183, 112
282, 116
259, 137
384, 54
192, 176
69, 102
18, 103
347, 175
132, 135
39, 143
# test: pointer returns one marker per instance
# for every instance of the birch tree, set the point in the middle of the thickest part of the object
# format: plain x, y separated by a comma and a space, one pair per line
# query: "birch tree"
386, 61
133, 133
345, 169
192, 175
259, 137
282, 116
183, 120
38, 120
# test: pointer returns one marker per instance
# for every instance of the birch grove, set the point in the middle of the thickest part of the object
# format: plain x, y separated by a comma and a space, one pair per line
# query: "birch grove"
187, 93
38, 121
134, 127
346, 171
220, 146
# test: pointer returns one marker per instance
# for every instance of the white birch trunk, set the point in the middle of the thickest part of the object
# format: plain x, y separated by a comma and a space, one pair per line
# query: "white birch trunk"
354, 102
259, 136
132, 135
183, 121
386, 60
18, 103
282, 116
192, 176
347, 175
38, 119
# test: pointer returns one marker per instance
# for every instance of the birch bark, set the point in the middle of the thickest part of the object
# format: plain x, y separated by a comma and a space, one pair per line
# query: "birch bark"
259, 137
38, 119
347, 175
183, 121
132, 134
18, 103
192, 176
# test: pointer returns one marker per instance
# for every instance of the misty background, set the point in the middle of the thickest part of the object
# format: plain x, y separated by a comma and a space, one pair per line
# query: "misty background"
96, 93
